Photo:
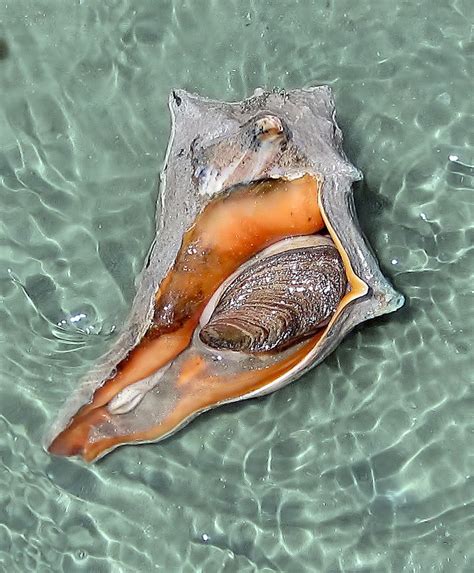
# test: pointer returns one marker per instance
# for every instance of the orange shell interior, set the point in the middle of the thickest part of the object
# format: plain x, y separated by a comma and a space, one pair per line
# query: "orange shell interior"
230, 230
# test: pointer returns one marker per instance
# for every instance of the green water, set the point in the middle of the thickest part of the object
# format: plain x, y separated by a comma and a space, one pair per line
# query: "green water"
367, 463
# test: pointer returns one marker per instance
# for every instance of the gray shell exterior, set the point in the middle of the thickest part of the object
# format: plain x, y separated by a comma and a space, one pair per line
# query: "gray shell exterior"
317, 150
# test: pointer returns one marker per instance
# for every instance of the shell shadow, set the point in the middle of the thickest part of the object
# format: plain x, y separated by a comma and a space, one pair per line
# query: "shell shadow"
4, 49
370, 207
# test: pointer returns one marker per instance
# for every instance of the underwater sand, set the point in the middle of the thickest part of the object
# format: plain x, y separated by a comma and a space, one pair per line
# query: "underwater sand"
364, 465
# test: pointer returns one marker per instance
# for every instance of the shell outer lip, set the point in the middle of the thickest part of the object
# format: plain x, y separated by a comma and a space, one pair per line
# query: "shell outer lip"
310, 114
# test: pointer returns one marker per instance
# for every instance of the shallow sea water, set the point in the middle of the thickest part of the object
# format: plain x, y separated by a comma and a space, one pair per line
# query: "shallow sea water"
366, 463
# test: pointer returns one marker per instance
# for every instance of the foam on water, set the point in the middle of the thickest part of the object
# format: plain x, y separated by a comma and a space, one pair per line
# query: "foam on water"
365, 464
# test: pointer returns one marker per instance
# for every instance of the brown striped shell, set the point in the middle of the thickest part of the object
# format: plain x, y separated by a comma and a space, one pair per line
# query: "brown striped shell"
278, 300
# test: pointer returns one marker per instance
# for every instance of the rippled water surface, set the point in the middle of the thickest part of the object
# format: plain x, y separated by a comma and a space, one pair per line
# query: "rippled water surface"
367, 463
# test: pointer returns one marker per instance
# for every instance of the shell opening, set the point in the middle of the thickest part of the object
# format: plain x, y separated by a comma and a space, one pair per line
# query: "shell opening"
171, 375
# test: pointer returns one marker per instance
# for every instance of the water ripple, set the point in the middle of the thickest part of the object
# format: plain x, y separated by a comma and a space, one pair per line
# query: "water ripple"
366, 463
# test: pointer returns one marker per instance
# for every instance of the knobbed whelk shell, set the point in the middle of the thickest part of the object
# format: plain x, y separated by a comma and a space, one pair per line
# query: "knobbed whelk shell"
258, 271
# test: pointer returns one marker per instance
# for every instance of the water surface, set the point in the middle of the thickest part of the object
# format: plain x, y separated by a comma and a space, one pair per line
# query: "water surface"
367, 463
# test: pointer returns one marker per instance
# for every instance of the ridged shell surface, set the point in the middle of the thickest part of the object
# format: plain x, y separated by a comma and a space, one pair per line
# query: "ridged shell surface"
278, 300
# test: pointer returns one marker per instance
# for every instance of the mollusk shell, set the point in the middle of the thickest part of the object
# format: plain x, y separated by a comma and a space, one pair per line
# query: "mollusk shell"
242, 181
278, 300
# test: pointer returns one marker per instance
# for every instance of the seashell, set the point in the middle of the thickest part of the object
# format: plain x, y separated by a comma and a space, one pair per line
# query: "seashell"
278, 299
258, 271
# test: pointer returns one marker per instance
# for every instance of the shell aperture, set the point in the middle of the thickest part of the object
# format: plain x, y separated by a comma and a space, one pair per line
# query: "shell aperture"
251, 191
228, 232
